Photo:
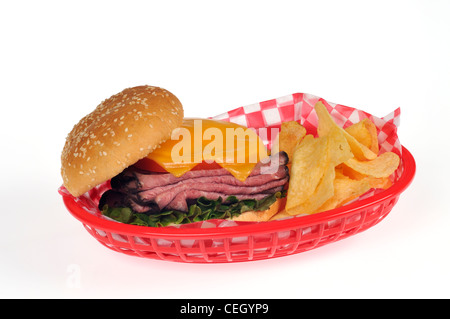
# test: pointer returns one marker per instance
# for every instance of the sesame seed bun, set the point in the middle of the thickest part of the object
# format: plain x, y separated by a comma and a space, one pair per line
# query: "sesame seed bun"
120, 131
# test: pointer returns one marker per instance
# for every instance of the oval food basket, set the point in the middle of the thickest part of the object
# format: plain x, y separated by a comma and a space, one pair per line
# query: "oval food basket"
227, 241
245, 242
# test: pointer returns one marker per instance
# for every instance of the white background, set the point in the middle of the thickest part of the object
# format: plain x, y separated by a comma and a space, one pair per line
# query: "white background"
60, 59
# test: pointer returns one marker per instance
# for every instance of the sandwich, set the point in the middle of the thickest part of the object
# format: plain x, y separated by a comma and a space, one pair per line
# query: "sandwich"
164, 169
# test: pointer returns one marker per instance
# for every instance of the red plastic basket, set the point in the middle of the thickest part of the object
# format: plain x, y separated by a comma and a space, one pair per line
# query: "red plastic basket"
254, 241
219, 241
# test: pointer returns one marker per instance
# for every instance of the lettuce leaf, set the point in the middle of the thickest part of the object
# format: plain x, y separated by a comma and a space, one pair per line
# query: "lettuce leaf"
202, 209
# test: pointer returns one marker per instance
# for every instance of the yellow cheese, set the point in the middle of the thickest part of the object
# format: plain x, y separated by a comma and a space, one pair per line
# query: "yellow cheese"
234, 147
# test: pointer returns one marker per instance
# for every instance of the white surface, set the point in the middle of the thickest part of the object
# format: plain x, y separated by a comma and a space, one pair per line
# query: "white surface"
59, 60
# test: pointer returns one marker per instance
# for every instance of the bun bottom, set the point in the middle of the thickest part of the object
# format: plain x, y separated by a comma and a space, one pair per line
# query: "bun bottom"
260, 216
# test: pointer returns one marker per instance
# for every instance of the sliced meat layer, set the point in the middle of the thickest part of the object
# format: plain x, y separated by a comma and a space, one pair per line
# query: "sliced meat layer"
147, 192
134, 180
113, 198
225, 190
252, 181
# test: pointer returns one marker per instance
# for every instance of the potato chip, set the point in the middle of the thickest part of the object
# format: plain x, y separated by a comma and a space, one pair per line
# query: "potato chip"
281, 214
343, 171
291, 133
382, 182
326, 123
382, 166
365, 132
360, 132
336, 167
339, 149
350, 172
322, 193
345, 190
339, 171
309, 162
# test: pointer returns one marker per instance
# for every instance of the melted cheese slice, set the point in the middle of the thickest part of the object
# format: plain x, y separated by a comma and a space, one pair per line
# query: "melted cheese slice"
234, 147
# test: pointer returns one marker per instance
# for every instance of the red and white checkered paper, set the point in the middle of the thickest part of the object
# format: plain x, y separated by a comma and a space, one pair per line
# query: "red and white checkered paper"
300, 107
270, 114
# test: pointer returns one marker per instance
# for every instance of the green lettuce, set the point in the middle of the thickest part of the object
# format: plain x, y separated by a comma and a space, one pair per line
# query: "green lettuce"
202, 209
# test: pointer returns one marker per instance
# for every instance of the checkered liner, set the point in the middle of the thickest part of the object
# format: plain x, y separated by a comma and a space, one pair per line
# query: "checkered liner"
300, 107
270, 114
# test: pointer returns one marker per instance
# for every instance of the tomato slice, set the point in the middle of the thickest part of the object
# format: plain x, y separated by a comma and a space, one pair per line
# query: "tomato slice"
150, 165
204, 165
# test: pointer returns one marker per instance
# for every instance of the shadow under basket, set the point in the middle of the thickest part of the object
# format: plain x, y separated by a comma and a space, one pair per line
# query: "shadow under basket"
245, 242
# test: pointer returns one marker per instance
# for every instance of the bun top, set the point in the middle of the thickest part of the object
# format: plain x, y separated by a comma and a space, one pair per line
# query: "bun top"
119, 132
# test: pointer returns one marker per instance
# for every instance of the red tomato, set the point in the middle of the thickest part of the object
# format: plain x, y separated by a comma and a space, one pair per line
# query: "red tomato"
152, 166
